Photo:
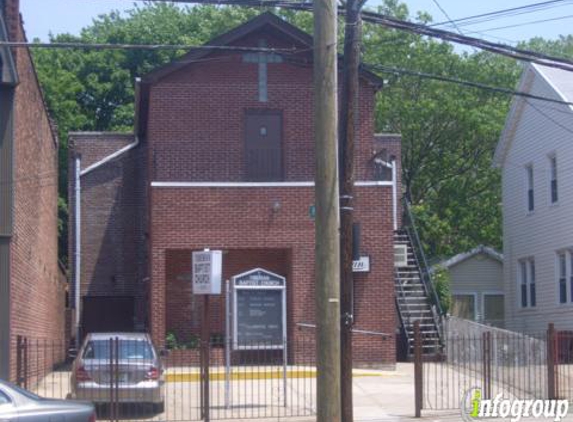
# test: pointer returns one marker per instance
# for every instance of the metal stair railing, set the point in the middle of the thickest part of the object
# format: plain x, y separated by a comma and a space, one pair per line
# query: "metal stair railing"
406, 322
422, 263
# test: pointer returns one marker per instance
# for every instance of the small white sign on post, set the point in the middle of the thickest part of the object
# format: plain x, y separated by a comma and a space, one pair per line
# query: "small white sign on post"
207, 269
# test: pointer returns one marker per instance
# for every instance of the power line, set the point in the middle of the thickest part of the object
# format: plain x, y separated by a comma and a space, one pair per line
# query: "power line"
500, 90
113, 46
548, 117
529, 8
499, 14
437, 3
385, 69
513, 52
526, 23
420, 29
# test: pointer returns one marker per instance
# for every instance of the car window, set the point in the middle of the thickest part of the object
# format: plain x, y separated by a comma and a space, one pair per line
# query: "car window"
4, 399
127, 349
25, 393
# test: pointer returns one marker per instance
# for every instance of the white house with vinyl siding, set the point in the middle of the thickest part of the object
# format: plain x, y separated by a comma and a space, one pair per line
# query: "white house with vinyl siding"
535, 155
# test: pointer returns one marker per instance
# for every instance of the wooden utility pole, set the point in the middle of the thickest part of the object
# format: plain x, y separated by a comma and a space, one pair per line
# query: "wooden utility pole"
347, 136
327, 211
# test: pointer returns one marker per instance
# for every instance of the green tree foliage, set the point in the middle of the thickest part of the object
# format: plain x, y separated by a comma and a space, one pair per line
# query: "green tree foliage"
442, 284
449, 132
562, 46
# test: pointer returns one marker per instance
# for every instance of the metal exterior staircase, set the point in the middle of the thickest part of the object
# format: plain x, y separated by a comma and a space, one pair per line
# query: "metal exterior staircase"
416, 298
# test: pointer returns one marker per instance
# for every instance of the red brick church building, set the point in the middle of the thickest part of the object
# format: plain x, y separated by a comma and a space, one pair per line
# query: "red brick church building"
222, 157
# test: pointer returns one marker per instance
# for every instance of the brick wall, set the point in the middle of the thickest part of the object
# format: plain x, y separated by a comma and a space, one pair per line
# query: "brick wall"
186, 219
214, 95
113, 221
207, 144
37, 291
195, 132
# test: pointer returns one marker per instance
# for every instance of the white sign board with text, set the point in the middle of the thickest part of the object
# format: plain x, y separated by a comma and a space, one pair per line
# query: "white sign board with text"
259, 310
207, 271
362, 265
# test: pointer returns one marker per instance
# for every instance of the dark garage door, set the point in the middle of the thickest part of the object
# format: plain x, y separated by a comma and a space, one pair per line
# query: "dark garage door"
104, 314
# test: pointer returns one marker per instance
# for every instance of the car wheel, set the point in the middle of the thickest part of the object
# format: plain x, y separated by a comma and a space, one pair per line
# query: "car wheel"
159, 407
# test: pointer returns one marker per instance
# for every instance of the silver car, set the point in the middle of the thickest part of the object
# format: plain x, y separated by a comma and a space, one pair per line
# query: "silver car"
19, 405
119, 367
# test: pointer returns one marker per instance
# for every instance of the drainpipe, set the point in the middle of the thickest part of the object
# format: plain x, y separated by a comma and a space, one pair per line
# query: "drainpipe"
394, 195
77, 255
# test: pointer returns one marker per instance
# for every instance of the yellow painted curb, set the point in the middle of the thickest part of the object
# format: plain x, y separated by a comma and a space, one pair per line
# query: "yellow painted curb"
245, 375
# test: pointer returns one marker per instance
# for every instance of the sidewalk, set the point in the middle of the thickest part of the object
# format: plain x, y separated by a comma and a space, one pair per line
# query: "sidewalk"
389, 397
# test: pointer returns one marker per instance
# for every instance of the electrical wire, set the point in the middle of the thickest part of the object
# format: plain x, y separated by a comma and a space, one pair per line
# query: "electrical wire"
453, 23
497, 14
499, 90
517, 25
548, 117
416, 28
114, 46
513, 52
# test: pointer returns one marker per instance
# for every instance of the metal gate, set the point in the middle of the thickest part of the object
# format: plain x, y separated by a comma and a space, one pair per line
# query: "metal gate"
495, 362
252, 387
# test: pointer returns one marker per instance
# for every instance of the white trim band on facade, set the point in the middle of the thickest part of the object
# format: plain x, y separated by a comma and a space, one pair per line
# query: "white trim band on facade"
253, 184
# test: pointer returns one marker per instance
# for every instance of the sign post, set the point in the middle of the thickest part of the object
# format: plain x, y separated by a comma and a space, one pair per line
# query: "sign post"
259, 314
227, 344
207, 269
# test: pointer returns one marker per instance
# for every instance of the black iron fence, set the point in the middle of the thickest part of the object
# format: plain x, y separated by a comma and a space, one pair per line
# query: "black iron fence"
128, 380
498, 363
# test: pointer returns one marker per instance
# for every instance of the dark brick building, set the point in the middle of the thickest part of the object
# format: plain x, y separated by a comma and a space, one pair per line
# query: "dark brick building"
223, 158
32, 291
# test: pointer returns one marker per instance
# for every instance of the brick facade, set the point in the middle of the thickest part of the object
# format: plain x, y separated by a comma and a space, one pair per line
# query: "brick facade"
37, 291
191, 122
113, 224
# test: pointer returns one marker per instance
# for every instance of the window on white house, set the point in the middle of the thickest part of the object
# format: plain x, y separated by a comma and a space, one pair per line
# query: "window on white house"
523, 283
553, 179
571, 274
532, 292
464, 306
527, 288
529, 181
562, 276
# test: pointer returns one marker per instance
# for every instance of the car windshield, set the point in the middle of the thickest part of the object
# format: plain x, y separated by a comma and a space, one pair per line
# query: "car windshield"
127, 349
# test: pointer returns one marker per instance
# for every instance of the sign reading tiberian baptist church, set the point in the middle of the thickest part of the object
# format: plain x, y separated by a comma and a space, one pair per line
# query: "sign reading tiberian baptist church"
259, 310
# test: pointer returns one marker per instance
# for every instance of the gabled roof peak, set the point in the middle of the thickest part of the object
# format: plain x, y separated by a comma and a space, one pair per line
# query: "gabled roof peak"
264, 20
481, 249
558, 80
